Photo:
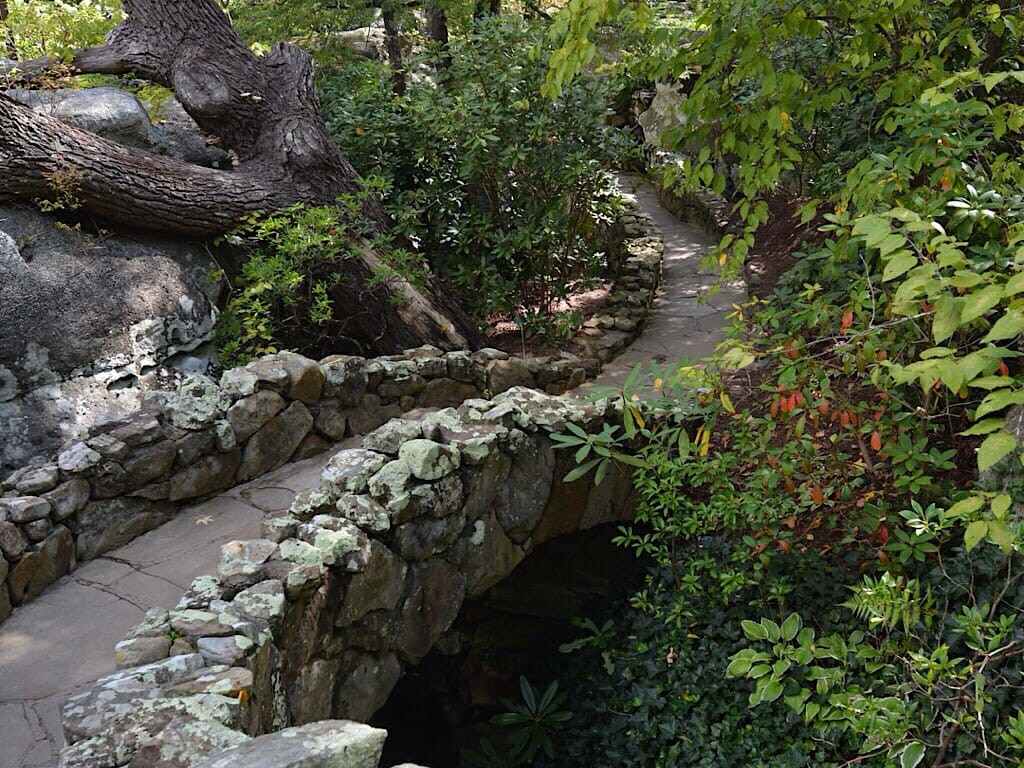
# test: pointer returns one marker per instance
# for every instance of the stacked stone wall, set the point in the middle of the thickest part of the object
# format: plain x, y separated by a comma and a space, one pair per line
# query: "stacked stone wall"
126, 477
359, 580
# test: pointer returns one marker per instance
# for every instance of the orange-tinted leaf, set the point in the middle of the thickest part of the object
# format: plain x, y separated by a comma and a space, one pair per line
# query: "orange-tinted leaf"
876, 441
1004, 370
817, 496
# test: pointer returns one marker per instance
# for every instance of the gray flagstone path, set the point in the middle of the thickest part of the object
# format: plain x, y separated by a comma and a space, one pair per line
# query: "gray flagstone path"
64, 640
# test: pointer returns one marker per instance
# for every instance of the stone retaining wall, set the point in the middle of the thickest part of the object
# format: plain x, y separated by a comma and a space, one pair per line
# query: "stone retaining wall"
360, 579
124, 478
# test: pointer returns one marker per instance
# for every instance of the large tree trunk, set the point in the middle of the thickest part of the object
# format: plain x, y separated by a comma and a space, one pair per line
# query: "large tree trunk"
266, 114
393, 43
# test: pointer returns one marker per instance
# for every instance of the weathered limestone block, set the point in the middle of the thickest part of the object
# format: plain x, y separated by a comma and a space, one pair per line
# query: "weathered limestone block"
42, 565
390, 437
425, 537
311, 445
12, 541
325, 744
521, 502
107, 480
33, 481
108, 446
331, 420
428, 460
369, 414
338, 543
345, 379
149, 462
136, 651
37, 530
275, 442
250, 413
23, 509
366, 684
436, 591
78, 457
228, 650
378, 587
211, 473
305, 377
193, 445
105, 525
391, 486
502, 375
486, 555
312, 692
440, 499
444, 393
241, 562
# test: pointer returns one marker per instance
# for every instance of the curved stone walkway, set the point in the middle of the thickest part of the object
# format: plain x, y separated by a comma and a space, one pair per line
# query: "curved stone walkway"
64, 640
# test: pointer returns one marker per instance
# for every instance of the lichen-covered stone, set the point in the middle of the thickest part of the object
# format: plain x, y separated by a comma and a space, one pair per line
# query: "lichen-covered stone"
428, 460
425, 537
197, 402
364, 512
78, 457
389, 437
338, 542
264, 601
108, 446
351, 470
67, 498
324, 744
345, 379
241, 562
391, 486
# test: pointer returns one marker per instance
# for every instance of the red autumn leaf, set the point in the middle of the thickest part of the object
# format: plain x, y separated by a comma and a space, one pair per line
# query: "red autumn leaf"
847, 320
876, 441
1004, 370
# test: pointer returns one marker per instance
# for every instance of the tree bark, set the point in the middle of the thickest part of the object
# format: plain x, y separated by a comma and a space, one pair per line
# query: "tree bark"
265, 112
393, 43
437, 31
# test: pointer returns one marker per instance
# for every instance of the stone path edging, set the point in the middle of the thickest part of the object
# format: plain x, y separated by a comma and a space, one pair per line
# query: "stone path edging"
130, 476
155, 580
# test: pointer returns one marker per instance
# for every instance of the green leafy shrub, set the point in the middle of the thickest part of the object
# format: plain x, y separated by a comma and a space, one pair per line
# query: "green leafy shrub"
57, 29
285, 295
503, 191
649, 693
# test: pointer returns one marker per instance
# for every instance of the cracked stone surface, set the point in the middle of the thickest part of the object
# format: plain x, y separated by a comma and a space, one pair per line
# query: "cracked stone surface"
64, 640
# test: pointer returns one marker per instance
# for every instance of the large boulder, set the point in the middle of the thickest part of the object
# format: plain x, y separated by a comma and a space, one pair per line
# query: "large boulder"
118, 115
86, 323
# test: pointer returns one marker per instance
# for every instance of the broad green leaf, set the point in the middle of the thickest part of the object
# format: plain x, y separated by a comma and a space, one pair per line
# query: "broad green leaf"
772, 691
1000, 535
997, 400
1000, 504
978, 303
975, 532
912, 755
753, 630
994, 448
900, 262
947, 318
1008, 326
791, 626
985, 426
1014, 285
965, 506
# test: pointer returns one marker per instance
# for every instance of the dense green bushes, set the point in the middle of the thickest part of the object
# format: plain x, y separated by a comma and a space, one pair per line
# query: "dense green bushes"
502, 190
56, 28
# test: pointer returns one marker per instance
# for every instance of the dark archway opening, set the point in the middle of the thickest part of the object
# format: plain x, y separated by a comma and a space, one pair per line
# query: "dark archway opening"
444, 704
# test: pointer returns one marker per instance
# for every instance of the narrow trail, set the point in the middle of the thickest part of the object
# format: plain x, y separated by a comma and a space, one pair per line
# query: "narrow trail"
63, 641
